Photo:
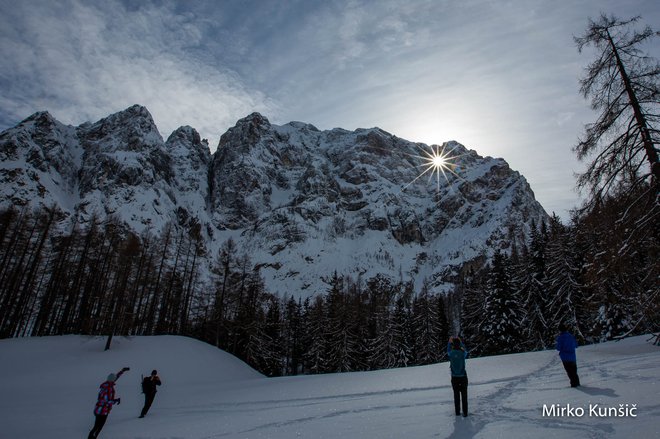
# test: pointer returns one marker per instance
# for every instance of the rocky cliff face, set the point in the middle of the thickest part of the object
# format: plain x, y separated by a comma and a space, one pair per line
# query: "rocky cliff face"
302, 203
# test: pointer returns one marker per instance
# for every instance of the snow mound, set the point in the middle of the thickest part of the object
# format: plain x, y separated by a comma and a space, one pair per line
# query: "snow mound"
78, 359
49, 385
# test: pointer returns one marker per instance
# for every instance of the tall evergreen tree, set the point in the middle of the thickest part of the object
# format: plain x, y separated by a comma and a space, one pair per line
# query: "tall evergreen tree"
624, 288
292, 336
531, 281
567, 293
342, 344
272, 345
315, 335
442, 326
502, 312
430, 327
473, 310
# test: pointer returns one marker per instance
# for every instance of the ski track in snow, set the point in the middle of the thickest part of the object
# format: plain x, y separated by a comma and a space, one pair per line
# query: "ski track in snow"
325, 401
506, 395
464, 427
493, 411
490, 405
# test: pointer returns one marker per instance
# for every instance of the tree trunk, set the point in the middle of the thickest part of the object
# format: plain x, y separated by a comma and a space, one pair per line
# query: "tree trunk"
651, 153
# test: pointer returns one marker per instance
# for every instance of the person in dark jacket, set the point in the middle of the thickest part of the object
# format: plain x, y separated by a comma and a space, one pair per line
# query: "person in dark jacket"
566, 345
459, 381
149, 389
106, 399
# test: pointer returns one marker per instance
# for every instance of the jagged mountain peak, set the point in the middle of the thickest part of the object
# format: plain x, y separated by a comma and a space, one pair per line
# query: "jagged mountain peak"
185, 132
249, 129
132, 129
41, 119
302, 126
188, 138
187, 148
254, 118
255, 122
133, 112
375, 131
135, 115
300, 201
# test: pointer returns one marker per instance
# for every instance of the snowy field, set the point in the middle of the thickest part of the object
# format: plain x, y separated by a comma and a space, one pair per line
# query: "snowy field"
48, 388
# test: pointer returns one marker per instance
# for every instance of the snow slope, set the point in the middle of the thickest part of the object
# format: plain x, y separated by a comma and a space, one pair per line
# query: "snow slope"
48, 387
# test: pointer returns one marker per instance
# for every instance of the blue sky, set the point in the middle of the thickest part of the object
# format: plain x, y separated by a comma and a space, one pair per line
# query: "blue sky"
501, 77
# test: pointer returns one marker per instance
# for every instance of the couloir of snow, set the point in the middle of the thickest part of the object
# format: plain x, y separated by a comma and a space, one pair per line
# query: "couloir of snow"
49, 386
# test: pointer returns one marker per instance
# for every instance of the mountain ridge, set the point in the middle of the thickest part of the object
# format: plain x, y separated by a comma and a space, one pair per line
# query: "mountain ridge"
300, 201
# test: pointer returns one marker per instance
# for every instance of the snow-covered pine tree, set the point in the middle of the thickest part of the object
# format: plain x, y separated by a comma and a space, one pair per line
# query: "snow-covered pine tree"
342, 344
314, 335
473, 310
292, 336
359, 304
392, 344
251, 341
501, 325
625, 291
426, 345
382, 344
565, 262
442, 328
274, 359
402, 327
430, 326
533, 290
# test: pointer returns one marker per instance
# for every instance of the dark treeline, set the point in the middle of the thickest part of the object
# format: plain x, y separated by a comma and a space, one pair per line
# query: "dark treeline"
594, 275
94, 279
352, 326
98, 279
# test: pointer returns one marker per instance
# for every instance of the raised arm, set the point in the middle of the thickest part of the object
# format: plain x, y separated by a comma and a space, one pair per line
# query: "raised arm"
121, 372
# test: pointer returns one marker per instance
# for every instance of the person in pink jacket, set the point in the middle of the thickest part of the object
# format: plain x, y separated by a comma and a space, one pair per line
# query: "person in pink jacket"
106, 400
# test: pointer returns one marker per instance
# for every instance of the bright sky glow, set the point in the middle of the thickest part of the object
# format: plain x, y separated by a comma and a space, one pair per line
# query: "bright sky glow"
439, 161
500, 77
436, 161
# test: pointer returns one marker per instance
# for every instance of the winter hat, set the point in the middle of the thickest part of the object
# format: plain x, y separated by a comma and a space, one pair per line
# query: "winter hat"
154, 372
562, 327
456, 343
112, 377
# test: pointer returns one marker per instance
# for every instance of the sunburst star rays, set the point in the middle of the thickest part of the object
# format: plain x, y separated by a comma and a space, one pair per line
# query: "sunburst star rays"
435, 161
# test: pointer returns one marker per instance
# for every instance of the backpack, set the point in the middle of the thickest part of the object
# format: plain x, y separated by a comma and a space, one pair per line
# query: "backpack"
145, 384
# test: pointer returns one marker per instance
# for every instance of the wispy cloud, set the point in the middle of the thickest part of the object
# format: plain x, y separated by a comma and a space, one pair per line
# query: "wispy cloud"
83, 61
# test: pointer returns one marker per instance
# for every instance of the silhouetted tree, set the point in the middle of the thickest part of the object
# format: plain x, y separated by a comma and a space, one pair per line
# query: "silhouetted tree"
623, 86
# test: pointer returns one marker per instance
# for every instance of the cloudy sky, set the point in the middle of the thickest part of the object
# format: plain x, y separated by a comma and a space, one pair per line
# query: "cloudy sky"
499, 76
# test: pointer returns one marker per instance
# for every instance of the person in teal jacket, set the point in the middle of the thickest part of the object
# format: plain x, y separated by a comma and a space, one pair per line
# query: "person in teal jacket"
459, 381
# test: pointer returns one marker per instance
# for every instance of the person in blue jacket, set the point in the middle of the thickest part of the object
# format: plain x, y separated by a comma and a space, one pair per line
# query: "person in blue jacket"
459, 381
566, 345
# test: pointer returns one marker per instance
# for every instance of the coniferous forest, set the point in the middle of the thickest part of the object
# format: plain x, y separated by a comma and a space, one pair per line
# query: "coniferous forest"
98, 279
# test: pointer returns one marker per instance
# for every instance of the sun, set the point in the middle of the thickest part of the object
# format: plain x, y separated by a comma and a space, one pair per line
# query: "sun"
439, 161
436, 161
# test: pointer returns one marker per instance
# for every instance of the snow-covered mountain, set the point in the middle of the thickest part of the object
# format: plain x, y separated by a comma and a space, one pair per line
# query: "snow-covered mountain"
301, 202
